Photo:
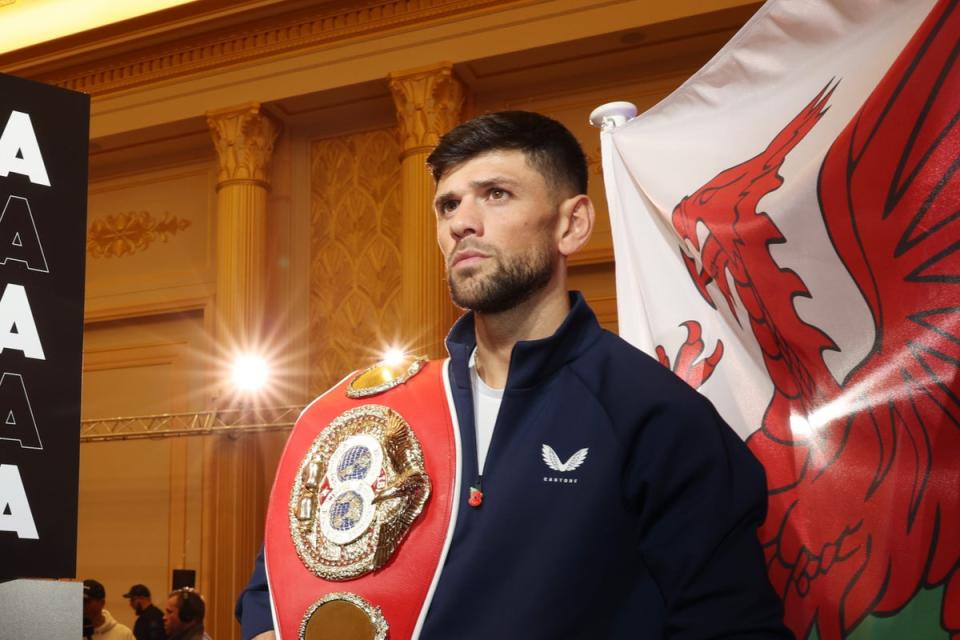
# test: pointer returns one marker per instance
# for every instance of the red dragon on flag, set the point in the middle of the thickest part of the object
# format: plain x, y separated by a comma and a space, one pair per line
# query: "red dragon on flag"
864, 471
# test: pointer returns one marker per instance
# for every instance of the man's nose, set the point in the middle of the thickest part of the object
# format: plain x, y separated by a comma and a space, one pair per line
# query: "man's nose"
467, 219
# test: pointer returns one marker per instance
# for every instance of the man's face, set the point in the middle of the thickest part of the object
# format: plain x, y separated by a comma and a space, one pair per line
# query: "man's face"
137, 603
92, 608
171, 618
497, 228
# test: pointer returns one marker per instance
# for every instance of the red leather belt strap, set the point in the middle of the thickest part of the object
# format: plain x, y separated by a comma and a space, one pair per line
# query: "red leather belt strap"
401, 587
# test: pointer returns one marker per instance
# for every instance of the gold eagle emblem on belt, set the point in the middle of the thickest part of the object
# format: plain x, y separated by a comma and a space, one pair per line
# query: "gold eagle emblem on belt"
357, 492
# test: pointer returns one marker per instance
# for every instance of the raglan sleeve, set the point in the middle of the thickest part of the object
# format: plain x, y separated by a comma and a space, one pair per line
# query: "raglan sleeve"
253, 605
701, 495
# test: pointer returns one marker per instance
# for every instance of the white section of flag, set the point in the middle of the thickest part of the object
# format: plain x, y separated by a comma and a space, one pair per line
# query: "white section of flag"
723, 115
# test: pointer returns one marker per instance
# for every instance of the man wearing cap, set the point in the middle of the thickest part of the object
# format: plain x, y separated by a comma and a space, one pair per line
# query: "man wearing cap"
149, 625
105, 627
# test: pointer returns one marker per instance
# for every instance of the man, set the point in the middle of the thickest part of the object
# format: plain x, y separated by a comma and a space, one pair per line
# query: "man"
149, 624
606, 498
183, 620
105, 627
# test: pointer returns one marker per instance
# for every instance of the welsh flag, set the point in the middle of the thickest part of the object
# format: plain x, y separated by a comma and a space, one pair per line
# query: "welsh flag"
787, 237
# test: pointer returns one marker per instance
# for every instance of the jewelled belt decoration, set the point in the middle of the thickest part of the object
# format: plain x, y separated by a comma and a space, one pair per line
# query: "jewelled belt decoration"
357, 492
345, 616
384, 376
366, 491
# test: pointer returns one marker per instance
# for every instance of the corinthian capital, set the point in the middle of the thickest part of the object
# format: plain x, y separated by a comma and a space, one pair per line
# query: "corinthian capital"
243, 137
428, 102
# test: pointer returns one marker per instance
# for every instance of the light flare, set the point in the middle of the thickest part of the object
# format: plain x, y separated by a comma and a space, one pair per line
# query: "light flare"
250, 372
394, 357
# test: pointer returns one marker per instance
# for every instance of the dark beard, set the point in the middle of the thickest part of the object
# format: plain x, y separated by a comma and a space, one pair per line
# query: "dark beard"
510, 285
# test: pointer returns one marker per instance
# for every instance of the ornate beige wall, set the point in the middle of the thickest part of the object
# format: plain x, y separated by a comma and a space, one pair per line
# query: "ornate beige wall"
147, 347
355, 268
149, 242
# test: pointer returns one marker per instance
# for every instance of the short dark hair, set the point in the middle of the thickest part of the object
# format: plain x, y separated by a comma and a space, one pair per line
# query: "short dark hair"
548, 146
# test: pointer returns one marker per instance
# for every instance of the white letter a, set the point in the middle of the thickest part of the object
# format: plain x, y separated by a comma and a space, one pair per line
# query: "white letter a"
15, 514
19, 150
17, 328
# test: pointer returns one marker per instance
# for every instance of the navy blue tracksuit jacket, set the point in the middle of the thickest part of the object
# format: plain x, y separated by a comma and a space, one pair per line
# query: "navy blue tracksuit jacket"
652, 536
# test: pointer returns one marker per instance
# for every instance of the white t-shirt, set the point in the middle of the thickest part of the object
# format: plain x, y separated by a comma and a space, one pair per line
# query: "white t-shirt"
486, 406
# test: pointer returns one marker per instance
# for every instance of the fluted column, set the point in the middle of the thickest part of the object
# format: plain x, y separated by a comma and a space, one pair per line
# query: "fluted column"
244, 139
235, 492
428, 102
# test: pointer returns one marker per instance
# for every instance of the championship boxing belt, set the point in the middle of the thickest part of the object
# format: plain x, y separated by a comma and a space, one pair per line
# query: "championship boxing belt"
363, 506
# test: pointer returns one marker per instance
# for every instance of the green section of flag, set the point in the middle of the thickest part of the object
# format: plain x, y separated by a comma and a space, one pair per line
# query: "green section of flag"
919, 620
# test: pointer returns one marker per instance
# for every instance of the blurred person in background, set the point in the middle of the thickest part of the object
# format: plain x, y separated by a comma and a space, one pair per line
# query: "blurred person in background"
149, 624
105, 627
184, 612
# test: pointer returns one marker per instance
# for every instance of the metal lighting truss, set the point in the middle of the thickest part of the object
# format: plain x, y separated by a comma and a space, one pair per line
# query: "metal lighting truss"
233, 421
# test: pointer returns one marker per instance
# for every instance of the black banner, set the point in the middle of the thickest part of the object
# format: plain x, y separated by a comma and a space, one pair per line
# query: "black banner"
44, 135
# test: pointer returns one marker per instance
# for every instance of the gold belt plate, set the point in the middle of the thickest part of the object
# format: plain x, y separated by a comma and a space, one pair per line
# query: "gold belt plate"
344, 616
384, 376
357, 492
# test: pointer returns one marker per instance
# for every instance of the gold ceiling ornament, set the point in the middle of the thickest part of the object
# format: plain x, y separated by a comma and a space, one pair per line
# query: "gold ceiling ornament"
428, 102
124, 234
384, 376
244, 138
357, 492
258, 38
345, 616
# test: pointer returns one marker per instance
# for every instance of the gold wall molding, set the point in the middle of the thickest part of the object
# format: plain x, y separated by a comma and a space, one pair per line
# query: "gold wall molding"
428, 102
605, 308
244, 138
137, 177
592, 255
143, 355
94, 314
117, 69
355, 252
124, 234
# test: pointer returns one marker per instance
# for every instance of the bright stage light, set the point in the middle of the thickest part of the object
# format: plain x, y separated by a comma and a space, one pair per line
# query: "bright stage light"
250, 372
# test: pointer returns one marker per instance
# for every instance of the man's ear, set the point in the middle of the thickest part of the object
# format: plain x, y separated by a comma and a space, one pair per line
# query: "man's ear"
576, 223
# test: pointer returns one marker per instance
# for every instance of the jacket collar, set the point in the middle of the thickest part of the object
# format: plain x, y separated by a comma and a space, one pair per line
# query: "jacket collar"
531, 361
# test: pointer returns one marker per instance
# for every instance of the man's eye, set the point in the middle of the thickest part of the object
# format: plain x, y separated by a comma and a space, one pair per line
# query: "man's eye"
447, 206
497, 194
